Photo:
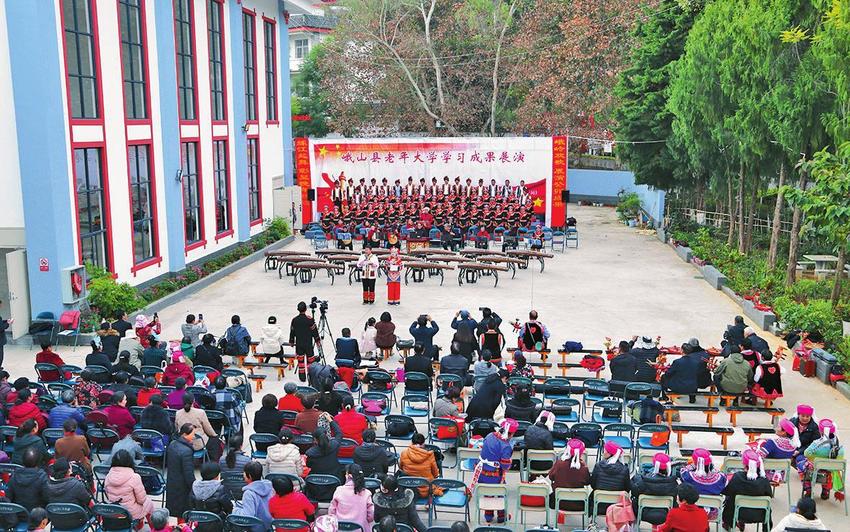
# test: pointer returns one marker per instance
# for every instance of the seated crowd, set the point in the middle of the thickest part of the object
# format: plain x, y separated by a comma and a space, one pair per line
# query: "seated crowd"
485, 391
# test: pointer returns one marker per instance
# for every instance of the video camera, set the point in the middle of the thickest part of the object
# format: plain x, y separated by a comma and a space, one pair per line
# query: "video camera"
322, 305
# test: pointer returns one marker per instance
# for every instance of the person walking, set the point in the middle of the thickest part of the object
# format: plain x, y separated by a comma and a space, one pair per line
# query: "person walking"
180, 468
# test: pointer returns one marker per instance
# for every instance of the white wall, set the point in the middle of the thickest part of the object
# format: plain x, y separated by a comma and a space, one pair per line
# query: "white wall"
11, 202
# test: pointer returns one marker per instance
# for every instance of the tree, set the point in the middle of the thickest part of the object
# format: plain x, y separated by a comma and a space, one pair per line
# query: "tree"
642, 91
309, 98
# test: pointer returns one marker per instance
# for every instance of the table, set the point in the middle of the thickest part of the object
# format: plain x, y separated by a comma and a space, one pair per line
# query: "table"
822, 262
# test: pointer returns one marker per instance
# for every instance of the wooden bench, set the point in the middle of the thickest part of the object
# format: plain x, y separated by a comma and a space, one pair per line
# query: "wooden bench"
258, 379
709, 412
564, 366
563, 353
545, 365
735, 410
724, 398
754, 432
250, 366
723, 432
714, 452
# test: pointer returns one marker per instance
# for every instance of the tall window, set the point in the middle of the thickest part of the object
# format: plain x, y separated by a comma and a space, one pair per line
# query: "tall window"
191, 191
91, 213
302, 48
141, 198
249, 38
80, 58
216, 44
253, 179
222, 187
271, 69
184, 40
133, 58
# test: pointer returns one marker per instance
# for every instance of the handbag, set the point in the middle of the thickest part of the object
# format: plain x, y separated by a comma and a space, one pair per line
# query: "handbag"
620, 515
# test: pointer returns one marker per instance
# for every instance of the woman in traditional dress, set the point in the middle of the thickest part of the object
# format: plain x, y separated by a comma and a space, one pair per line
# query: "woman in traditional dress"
393, 267
827, 446
768, 379
495, 461
368, 264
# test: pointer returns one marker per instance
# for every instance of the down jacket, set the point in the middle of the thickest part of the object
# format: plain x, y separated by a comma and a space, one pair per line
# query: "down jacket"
399, 504
211, 496
283, 458
373, 458
652, 484
124, 486
420, 462
68, 490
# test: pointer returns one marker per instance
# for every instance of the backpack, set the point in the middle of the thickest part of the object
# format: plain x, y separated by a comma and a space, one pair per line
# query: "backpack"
374, 407
231, 347
646, 411
400, 427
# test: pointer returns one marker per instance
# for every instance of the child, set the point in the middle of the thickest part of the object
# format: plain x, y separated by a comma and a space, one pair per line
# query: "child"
367, 339
38, 520
768, 379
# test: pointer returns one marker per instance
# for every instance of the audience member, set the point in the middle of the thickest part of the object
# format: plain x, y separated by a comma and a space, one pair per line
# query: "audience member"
492, 340
124, 365
26, 408
456, 364
373, 459
234, 460
237, 340
733, 375
129, 444
446, 404
38, 520
109, 340
520, 407
119, 416
803, 517
423, 331
385, 337
124, 486
417, 461
122, 384
174, 400
155, 417
752, 481
284, 457
352, 502
178, 369
208, 354
538, 437
26, 485
483, 369
610, 473
308, 419
367, 338
180, 471
155, 355
272, 339
143, 397
267, 419
72, 446
624, 366
323, 456
132, 344
347, 350
48, 356
193, 328
483, 404
570, 471
290, 504
660, 481
189, 415
702, 475
27, 438
686, 516
396, 502
225, 402
645, 353
256, 495
290, 400
210, 495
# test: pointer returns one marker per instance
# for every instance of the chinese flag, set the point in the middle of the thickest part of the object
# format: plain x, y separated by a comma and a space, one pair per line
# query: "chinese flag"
537, 193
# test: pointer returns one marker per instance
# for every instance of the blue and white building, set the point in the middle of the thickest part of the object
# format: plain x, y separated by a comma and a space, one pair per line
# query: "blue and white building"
140, 135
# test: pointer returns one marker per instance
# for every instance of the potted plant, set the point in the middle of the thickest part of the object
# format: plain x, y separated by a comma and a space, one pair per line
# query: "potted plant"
628, 208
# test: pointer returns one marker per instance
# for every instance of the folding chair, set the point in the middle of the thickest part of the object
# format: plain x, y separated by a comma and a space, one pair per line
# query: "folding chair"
713, 502
581, 495
288, 417
643, 437
381, 382
654, 502
194, 518
603, 412
593, 390
481, 427
151, 478
297, 482
51, 436
784, 465
444, 380
220, 423
454, 496
620, 433
346, 451
55, 389
43, 368
234, 482
69, 321
323, 485
488, 495
572, 236
558, 241
492, 529
201, 372
399, 419
101, 440
467, 458
603, 497
416, 405
389, 446
414, 484
146, 439
434, 425
244, 523
67, 517
556, 388
99, 472
751, 502
589, 433
559, 408
532, 490
832, 465
538, 462
295, 524
419, 381
112, 518
14, 517
260, 442
375, 397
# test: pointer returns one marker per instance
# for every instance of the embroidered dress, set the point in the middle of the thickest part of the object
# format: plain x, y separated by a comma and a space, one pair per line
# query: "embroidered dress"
768, 377
493, 464
393, 268
712, 483
368, 273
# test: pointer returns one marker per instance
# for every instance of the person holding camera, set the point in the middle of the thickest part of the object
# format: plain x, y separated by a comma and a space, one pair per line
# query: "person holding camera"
423, 331
368, 264
303, 333
487, 315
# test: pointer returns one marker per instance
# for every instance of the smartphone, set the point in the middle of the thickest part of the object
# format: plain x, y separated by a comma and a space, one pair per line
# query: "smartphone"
200, 316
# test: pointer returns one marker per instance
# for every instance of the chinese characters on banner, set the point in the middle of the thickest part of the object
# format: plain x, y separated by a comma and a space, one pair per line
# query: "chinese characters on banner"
302, 171
559, 181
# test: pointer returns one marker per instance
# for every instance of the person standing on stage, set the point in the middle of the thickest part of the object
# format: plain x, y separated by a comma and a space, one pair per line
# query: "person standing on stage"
303, 333
393, 267
368, 264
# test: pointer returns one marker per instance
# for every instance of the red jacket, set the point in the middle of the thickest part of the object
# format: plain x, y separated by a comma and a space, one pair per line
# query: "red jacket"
143, 398
294, 505
49, 357
352, 425
290, 402
175, 370
24, 411
121, 418
685, 518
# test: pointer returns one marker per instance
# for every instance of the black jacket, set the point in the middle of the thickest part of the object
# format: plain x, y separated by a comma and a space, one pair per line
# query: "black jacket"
400, 505
456, 365
739, 484
122, 326
419, 364
268, 421
68, 489
329, 401
610, 477
180, 469
424, 336
26, 487
682, 375
156, 418
126, 367
348, 349
326, 462
521, 411
759, 344
303, 333
623, 367
538, 437
486, 400
373, 458
809, 434
734, 334
154, 356
128, 390
211, 496
645, 372
100, 359
653, 485
208, 355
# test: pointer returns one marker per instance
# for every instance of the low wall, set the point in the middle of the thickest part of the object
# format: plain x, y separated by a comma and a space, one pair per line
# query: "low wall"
604, 186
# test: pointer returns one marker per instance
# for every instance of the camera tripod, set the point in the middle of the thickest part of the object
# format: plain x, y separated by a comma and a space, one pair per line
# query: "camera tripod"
324, 329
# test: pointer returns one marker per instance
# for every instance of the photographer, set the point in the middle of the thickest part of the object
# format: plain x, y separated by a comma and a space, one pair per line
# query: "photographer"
303, 333
423, 331
487, 315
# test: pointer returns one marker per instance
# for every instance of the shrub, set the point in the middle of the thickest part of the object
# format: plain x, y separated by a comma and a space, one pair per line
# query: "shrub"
629, 206
815, 315
107, 297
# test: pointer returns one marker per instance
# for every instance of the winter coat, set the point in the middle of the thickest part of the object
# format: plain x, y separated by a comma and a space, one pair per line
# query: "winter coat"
644, 372
135, 348
267, 420
255, 502
739, 484
758, 344
193, 331
353, 507
109, 340
174, 371
124, 486
211, 496
325, 462
610, 477
385, 336
809, 434
563, 475
284, 458
652, 484
733, 374
180, 469
538, 437
49, 357
795, 520
485, 402
271, 340
68, 490
120, 417
456, 365
347, 352
26, 487
99, 358
480, 371
238, 334
26, 441
424, 336
153, 356
623, 367
238, 466
61, 413
294, 505
685, 518
74, 448
156, 418
209, 355
419, 462
24, 411
399, 504
352, 424
367, 340
443, 407
682, 376
420, 364
521, 410
373, 458
198, 418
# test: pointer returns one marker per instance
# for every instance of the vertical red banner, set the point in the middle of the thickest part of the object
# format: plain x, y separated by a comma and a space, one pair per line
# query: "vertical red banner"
302, 172
559, 181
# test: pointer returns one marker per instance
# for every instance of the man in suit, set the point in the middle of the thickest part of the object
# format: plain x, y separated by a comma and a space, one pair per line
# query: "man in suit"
4, 324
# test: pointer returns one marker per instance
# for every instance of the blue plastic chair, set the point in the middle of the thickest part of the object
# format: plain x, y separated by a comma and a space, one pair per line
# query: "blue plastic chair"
67, 517
454, 496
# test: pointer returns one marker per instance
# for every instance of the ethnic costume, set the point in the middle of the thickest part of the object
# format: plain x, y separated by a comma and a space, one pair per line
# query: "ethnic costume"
368, 264
393, 268
495, 461
768, 381
827, 446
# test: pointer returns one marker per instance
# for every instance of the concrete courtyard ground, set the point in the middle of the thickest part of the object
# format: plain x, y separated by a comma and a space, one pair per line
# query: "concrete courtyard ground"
617, 284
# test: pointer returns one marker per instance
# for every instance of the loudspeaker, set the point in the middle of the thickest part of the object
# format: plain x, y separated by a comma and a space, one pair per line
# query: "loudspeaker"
565, 196
311, 194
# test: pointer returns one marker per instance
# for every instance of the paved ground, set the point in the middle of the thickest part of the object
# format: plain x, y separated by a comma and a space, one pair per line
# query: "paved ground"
619, 283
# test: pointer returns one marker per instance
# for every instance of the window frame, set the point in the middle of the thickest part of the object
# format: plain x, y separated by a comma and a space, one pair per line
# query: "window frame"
105, 228
306, 48
222, 60
251, 98
256, 177
192, 244
123, 9
155, 257
270, 56
181, 55
217, 187
96, 66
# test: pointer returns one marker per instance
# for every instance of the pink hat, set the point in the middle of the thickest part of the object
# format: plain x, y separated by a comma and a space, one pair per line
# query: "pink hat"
753, 463
789, 429
508, 426
141, 321
805, 410
661, 461
574, 449
827, 427
614, 450
702, 459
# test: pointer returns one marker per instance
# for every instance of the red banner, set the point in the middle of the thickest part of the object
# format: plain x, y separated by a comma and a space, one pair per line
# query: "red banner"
559, 181
302, 172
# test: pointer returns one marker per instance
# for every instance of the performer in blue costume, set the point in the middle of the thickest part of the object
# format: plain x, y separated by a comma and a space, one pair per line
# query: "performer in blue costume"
495, 461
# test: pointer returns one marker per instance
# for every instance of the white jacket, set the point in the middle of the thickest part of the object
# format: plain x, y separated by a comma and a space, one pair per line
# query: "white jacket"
271, 339
282, 458
795, 520
367, 340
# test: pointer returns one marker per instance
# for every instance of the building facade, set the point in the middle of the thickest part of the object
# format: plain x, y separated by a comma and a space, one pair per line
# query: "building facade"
310, 22
148, 134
